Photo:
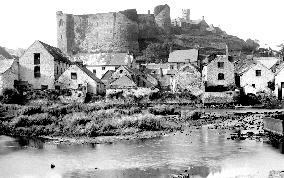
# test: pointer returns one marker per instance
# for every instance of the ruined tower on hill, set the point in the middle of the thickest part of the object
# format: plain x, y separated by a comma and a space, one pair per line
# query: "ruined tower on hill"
110, 32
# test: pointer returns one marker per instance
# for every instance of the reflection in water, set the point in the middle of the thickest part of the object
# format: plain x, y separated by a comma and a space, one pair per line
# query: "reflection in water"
202, 153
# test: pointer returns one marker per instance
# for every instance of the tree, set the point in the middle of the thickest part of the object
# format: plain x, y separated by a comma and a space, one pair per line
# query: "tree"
157, 52
251, 45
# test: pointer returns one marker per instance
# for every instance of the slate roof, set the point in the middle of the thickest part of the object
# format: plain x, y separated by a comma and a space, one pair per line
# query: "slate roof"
247, 66
5, 54
55, 52
268, 62
107, 75
5, 64
123, 82
184, 56
89, 73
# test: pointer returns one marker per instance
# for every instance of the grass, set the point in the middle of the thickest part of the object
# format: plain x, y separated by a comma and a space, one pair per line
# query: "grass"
75, 120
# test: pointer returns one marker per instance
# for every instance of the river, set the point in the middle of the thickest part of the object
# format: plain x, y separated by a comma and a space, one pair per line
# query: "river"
202, 152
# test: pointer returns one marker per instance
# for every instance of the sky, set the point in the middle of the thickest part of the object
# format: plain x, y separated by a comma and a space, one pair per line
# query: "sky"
24, 21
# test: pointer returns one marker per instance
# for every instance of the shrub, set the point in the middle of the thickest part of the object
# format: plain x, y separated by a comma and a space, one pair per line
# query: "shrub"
162, 110
11, 96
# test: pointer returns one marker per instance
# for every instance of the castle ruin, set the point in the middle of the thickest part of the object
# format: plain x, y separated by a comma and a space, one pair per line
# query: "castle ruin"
110, 32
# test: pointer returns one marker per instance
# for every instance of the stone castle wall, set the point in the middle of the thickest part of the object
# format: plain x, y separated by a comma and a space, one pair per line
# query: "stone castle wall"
108, 32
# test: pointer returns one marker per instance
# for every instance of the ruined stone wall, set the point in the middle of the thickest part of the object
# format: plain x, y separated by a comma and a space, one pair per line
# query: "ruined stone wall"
163, 18
108, 32
148, 27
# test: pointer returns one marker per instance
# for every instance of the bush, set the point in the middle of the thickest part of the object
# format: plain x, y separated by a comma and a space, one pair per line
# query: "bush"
162, 110
11, 96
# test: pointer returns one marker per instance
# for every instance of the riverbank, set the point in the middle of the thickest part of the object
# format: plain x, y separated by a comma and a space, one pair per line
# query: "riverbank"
106, 123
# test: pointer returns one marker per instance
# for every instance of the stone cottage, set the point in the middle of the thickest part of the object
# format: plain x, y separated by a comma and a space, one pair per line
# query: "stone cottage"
41, 65
77, 76
126, 77
8, 73
219, 71
100, 63
279, 82
255, 75
179, 58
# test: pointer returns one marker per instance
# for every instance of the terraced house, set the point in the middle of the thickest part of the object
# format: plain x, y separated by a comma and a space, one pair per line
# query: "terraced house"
41, 65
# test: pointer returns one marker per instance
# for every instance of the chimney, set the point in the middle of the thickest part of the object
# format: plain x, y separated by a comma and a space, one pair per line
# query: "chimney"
202, 17
149, 11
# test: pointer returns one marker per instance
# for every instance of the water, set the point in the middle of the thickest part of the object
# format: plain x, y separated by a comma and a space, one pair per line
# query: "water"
204, 153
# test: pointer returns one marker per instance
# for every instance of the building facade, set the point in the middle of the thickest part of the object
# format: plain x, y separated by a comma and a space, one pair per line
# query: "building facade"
8, 73
256, 75
219, 71
41, 65
77, 76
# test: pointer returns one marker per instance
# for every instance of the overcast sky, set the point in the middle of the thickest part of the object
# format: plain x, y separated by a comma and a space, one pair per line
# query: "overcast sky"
24, 21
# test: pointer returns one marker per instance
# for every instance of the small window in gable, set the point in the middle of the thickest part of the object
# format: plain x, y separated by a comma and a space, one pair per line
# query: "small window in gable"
121, 71
103, 68
221, 65
36, 58
221, 76
258, 73
73, 76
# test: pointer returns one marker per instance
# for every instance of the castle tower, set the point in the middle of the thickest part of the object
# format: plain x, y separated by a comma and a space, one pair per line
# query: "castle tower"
186, 14
63, 42
163, 17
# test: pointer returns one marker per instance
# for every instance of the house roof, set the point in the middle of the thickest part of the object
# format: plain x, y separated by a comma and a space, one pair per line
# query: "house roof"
157, 66
268, 62
89, 73
247, 66
5, 64
279, 68
5, 54
123, 82
184, 56
55, 52
107, 59
107, 75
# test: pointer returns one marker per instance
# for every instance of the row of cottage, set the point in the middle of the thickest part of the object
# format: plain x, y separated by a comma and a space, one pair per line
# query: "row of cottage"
45, 67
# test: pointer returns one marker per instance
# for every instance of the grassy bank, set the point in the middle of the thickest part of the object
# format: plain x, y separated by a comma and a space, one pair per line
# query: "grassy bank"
84, 120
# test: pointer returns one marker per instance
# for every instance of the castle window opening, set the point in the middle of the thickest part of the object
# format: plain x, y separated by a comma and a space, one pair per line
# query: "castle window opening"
36, 58
73, 75
221, 76
60, 22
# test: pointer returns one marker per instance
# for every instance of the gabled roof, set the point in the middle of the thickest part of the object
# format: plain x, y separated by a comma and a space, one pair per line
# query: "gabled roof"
267, 61
279, 68
184, 56
5, 64
89, 73
248, 65
107, 75
105, 59
55, 52
123, 82
5, 54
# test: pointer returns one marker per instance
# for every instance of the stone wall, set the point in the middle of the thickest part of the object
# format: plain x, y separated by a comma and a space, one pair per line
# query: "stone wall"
109, 32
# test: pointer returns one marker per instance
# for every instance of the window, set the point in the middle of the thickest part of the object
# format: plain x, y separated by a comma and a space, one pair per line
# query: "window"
171, 67
37, 72
121, 71
36, 58
73, 75
44, 87
221, 76
79, 85
94, 71
221, 65
57, 70
258, 73
57, 87
253, 85
103, 68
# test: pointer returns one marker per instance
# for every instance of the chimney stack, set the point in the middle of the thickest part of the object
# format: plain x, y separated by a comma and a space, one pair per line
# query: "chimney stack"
148, 11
